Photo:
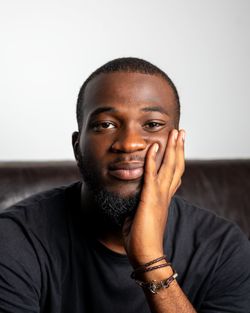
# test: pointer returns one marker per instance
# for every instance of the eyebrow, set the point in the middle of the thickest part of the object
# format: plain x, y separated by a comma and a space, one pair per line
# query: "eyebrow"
155, 109
111, 109
102, 110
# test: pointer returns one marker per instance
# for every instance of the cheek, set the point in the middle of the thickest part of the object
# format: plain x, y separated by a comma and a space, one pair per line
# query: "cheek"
94, 152
90, 163
92, 146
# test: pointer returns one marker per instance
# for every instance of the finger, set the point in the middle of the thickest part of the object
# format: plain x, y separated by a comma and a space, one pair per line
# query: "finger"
180, 162
150, 170
168, 165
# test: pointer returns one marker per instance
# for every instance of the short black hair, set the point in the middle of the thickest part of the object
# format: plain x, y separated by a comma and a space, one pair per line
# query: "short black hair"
129, 65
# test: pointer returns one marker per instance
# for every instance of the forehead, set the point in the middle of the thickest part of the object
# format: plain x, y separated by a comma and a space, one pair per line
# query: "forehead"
127, 91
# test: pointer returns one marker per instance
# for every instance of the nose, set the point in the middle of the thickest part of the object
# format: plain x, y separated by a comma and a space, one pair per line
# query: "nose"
129, 140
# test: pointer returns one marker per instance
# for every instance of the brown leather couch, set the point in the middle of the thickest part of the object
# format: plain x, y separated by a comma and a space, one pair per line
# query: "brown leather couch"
221, 186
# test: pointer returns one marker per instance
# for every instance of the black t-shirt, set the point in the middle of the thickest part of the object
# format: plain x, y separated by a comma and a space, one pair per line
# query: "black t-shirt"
49, 262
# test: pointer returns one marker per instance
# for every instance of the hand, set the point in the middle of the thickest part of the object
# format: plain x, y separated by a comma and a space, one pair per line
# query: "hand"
143, 235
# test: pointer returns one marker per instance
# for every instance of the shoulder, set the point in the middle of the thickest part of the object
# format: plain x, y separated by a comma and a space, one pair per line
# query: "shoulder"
20, 279
216, 254
46, 205
33, 236
202, 228
41, 219
201, 222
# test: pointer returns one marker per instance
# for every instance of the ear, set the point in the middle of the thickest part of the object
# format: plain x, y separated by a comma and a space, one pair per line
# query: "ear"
75, 145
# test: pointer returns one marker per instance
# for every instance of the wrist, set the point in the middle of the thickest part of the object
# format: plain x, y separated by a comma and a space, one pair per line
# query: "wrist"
143, 258
159, 274
155, 275
159, 265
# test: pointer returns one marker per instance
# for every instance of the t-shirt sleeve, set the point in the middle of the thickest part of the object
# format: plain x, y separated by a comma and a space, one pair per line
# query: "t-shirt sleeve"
229, 289
20, 274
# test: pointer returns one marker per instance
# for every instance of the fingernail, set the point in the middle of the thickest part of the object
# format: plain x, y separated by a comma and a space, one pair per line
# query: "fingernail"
175, 135
183, 136
156, 147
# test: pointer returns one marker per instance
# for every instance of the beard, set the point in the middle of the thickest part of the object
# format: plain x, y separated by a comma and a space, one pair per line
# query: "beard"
109, 207
114, 209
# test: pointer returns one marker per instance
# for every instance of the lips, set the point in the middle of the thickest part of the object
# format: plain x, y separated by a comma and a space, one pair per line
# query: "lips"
126, 171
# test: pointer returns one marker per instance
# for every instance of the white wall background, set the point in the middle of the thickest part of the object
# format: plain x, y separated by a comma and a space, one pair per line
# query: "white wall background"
49, 47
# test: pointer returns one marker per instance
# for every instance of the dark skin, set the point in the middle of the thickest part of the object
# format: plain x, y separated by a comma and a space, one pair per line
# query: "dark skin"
130, 134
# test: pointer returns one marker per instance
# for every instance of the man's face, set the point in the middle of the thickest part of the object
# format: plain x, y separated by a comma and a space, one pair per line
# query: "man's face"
123, 115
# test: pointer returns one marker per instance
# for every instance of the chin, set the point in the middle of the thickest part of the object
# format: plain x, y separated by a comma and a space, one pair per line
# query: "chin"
113, 206
125, 190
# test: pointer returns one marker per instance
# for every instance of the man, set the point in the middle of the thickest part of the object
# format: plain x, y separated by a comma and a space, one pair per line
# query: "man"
119, 241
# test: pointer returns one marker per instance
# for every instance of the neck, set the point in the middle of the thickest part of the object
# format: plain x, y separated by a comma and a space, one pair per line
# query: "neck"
113, 241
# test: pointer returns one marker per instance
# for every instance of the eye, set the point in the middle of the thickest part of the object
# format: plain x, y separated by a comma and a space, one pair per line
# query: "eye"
154, 126
99, 126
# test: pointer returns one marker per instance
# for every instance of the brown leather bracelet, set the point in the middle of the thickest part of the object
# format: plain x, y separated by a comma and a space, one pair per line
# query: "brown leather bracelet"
164, 257
148, 269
